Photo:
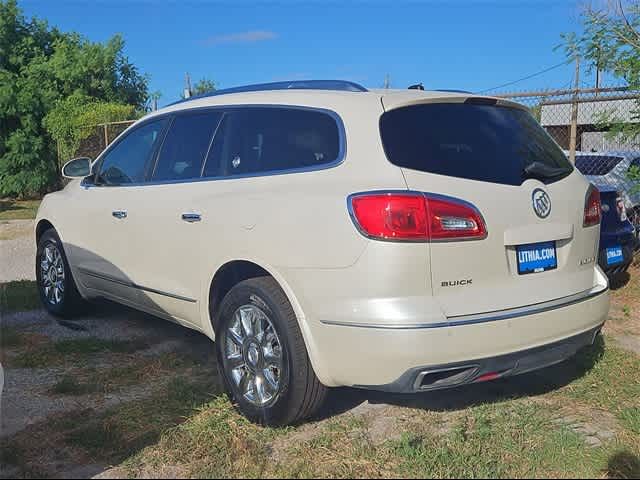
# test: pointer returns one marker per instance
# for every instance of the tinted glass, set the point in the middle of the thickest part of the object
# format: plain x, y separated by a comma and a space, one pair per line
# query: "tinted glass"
267, 139
129, 159
479, 142
596, 164
185, 146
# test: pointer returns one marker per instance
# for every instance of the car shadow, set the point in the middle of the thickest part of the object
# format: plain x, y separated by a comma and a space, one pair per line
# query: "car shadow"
623, 464
532, 384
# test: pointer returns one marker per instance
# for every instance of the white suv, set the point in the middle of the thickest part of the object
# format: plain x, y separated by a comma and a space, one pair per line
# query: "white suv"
327, 235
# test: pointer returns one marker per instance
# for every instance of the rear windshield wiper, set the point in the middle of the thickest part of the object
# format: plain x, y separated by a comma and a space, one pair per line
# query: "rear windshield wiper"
541, 171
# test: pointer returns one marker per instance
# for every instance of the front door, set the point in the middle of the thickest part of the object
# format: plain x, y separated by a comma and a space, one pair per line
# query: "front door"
101, 249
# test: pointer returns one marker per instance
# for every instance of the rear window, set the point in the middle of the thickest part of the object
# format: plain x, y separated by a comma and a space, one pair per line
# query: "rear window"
596, 164
488, 143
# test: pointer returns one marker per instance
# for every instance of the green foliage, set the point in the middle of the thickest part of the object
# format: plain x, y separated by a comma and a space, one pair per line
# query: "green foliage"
40, 67
611, 42
73, 119
204, 85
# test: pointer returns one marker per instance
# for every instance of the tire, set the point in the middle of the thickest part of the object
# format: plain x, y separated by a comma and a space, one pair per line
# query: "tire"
264, 389
59, 296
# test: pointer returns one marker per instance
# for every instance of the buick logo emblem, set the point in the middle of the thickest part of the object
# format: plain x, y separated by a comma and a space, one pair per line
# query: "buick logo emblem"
541, 203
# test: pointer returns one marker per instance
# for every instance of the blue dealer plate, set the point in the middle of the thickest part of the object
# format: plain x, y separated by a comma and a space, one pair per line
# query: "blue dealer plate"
614, 255
536, 257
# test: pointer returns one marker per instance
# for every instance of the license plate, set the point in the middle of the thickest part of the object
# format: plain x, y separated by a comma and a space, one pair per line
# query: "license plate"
614, 255
536, 257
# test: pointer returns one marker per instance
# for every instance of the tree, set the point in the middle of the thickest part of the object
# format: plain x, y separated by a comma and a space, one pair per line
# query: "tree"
204, 85
611, 42
74, 118
40, 67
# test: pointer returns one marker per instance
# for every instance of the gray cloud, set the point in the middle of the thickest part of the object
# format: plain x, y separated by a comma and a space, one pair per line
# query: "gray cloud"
251, 36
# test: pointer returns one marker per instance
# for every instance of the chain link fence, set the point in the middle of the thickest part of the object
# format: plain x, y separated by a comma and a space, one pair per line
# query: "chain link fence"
581, 120
99, 137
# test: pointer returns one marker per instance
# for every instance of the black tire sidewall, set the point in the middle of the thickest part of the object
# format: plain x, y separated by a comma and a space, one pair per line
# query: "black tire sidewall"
279, 409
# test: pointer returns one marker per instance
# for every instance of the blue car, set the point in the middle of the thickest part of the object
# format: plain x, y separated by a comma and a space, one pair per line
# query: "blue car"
618, 240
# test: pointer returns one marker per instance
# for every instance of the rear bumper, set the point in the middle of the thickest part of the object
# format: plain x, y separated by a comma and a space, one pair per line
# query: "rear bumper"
508, 342
438, 377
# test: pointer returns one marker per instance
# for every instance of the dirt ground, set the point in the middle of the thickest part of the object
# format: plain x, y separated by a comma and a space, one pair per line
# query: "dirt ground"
120, 393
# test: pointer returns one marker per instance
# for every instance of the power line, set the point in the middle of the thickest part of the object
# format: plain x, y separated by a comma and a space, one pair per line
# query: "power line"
527, 77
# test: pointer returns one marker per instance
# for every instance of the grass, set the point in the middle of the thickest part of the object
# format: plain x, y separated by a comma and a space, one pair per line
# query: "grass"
108, 436
613, 384
18, 209
508, 440
630, 418
70, 385
17, 296
122, 430
10, 337
73, 351
111, 380
91, 345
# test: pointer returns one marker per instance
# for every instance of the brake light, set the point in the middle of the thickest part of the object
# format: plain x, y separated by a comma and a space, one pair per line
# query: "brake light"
592, 208
413, 216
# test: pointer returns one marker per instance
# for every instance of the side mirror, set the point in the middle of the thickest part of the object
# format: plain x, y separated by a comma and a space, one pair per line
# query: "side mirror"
77, 168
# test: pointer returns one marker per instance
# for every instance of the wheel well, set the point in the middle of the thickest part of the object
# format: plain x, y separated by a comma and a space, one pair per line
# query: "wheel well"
43, 226
227, 276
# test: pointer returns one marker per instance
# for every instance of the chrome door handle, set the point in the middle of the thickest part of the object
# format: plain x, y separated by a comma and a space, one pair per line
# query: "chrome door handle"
119, 214
191, 217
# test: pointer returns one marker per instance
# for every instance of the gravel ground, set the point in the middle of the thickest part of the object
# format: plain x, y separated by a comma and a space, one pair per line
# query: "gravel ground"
21, 245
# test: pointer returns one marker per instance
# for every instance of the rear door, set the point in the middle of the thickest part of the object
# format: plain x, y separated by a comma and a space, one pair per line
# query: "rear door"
536, 249
169, 227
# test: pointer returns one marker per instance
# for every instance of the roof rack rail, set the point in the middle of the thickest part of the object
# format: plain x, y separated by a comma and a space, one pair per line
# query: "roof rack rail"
453, 91
338, 85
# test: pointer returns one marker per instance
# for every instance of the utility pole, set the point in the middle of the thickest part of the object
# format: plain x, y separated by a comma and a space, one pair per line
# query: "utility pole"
187, 86
574, 115
597, 70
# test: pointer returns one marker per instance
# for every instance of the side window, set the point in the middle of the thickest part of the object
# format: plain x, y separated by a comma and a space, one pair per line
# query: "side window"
266, 139
129, 159
185, 146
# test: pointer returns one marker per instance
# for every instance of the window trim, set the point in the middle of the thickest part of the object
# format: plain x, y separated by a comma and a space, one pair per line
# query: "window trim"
342, 145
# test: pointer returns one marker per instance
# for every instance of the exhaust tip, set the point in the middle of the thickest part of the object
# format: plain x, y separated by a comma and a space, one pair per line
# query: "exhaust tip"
446, 377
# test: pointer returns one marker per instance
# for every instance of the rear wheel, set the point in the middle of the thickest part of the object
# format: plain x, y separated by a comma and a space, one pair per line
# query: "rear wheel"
57, 288
262, 355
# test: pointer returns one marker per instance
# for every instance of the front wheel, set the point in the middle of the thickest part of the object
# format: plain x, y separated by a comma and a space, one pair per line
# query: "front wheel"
56, 286
262, 355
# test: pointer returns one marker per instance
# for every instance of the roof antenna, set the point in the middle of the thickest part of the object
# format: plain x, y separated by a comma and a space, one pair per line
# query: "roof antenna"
417, 86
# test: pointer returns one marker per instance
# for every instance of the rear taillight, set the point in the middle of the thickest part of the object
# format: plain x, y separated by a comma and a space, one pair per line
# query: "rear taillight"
413, 216
592, 208
453, 219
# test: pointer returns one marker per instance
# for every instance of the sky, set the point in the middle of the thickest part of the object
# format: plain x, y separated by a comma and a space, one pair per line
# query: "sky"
471, 45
